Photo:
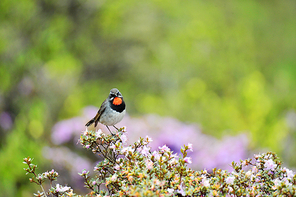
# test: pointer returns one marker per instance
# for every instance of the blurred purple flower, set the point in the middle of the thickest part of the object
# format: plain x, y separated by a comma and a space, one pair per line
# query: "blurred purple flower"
63, 158
63, 131
209, 152
5, 121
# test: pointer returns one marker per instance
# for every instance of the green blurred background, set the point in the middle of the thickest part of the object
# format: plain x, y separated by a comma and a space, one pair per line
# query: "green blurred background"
229, 66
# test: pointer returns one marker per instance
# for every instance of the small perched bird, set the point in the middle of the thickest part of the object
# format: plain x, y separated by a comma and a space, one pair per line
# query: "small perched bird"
111, 111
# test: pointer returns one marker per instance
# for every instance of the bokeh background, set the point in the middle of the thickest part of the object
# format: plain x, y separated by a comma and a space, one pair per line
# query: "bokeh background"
218, 74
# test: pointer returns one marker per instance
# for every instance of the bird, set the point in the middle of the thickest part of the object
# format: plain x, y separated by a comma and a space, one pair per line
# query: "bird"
111, 111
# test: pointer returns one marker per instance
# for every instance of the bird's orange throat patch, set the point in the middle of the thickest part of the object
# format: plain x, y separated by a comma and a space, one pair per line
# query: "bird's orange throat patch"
117, 101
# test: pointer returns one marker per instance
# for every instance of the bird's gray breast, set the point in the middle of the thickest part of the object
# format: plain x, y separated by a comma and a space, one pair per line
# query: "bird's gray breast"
111, 117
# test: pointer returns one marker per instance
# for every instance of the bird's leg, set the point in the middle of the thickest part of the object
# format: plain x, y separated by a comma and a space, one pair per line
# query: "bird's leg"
115, 127
109, 130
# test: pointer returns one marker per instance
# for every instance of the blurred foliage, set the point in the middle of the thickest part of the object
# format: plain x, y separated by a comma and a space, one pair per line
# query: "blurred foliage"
227, 65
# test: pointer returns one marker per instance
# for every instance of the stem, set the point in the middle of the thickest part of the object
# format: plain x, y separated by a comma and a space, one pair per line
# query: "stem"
43, 190
39, 183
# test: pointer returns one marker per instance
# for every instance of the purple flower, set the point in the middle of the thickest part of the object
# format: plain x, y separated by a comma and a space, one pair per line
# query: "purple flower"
62, 158
63, 131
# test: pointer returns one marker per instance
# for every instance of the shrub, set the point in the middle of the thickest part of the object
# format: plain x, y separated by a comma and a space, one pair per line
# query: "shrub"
136, 170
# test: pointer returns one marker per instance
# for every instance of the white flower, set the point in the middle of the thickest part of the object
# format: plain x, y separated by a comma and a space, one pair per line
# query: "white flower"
164, 148
99, 133
230, 179
254, 170
176, 156
249, 173
145, 151
277, 182
173, 161
126, 150
113, 177
156, 155
190, 147
290, 173
117, 167
269, 165
62, 188
170, 191
156, 181
149, 164
181, 190
149, 139
205, 182
112, 146
123, 138
187, 160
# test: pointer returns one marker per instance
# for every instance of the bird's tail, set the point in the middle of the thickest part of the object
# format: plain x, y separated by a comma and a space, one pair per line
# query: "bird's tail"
94, 120
90, 122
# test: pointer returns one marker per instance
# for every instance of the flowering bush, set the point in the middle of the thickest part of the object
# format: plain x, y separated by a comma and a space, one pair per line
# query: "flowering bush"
136, 170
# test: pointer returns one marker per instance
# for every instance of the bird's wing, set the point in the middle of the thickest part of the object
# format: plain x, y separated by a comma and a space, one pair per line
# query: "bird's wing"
101, 110
98, 115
